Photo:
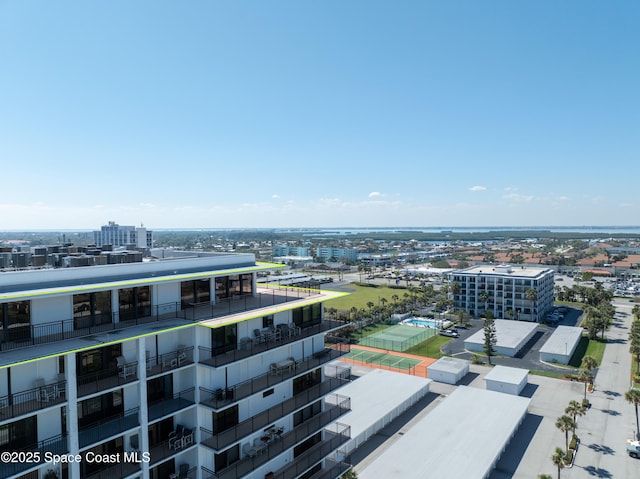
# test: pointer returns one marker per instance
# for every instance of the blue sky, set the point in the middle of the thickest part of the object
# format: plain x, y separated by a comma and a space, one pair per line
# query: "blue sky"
308, 114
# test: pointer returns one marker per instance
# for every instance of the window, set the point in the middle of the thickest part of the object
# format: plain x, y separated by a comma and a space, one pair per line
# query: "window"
268, 392
267, 321
306, 413
19, 434
224, 339
15, 319
225, 419
134, 303
193, 292
227, 457
90, 309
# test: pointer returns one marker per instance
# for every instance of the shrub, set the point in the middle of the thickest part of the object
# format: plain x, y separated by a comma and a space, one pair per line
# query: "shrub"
586, 403
573, 443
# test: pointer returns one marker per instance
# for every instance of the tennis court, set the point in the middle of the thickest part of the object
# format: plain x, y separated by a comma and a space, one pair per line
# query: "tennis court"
398, 362
381, 358
397, 338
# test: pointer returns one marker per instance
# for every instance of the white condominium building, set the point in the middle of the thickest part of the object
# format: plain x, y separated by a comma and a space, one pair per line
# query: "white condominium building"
510, 292
174, 368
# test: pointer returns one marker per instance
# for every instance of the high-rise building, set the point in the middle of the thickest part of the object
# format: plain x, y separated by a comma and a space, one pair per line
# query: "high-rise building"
175, 368
509, 292
118, 235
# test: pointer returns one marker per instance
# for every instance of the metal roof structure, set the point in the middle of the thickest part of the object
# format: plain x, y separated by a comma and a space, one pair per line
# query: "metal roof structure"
448, 444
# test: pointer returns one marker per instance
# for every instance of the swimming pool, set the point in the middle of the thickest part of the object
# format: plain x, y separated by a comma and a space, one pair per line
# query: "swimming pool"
425, 323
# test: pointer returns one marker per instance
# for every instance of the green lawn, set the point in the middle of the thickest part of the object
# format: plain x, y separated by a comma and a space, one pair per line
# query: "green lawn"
430, 348
587, 347
361, 295
548, 374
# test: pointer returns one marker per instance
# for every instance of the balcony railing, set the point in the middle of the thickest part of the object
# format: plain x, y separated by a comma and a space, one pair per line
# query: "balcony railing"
31, 400
166, 406
120, 470
173, 444
85, 326
334, 438
106, 379
109, 427
248, 347
169, 361
262, 420
331, 469
54, 445
301, 432
222, 397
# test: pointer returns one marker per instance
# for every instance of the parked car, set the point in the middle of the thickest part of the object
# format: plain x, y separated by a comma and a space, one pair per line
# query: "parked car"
633, 448
449, 333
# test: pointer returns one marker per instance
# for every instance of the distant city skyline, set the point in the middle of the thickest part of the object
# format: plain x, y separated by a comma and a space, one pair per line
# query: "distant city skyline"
217, 115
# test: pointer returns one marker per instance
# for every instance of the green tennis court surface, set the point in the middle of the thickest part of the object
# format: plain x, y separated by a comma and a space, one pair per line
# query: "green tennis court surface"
397, 338
382, 359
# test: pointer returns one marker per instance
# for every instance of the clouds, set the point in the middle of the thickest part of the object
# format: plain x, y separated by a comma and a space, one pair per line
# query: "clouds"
478, 188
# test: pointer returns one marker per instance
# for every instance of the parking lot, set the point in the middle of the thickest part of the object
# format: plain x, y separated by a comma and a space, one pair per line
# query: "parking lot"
528, 357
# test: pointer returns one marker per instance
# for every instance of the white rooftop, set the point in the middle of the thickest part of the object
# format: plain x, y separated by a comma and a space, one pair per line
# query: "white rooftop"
505, 270
450, 365
444, 444
376, 394
509, 333
562, 340
505, 374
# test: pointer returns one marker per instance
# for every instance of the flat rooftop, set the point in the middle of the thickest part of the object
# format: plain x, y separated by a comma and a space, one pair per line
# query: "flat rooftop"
506, 374
450, 365
504, 270
509, 333
376, 394
446, 445
562, 340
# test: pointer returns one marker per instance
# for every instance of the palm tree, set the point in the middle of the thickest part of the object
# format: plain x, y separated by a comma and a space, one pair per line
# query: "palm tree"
484, 297
540, 476
634, 349
633, 396
558, 459
531, 295
575, 409
586, 377
590, 363
565, 424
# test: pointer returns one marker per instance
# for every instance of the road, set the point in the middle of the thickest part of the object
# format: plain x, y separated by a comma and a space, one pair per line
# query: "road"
611, 419
603, 431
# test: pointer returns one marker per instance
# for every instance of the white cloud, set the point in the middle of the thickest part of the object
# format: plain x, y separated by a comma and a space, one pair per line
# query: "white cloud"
519, 198
375, 194
275, 197
478, 188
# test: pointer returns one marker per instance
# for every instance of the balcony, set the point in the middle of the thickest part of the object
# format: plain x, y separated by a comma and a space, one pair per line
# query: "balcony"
107, 379
101, 430
54, 445
120, 470
331, 469
177, 441
262, 420
80, 327
298, 434
182, 356
335, 436
222, 397
333, 440
25, 402
166, 406
248, 347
